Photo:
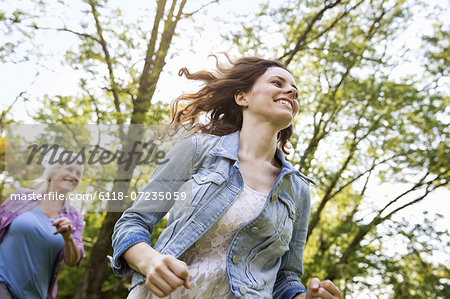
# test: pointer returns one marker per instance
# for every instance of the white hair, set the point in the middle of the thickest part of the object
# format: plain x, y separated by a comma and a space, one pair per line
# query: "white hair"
43, 182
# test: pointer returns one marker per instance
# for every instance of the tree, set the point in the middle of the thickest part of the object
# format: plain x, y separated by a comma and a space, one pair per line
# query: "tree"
357, 124
107, 47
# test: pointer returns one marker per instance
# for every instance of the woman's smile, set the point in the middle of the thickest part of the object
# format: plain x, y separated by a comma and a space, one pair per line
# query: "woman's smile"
286, 102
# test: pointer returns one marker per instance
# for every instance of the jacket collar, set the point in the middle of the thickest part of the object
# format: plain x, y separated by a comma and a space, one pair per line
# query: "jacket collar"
228, 147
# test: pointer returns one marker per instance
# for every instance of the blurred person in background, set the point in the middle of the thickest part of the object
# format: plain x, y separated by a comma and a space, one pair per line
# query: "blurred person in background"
39, 229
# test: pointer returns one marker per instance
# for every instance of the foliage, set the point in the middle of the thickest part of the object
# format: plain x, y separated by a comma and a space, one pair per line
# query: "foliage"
116, 88
360, 126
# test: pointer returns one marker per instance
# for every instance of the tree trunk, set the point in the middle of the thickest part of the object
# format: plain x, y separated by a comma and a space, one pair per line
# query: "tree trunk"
91, 284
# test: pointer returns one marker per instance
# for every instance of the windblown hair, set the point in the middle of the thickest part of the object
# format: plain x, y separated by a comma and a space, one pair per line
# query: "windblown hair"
216, 98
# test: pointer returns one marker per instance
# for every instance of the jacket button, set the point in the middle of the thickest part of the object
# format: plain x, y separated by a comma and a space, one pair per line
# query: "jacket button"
243, 290
235, 259
255, 230
203, 178
273, 198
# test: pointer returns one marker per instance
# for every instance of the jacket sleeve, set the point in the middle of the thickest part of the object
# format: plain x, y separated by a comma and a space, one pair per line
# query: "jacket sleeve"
288, 282
78, 225
78, 235
13, 207
3, 221
136, 223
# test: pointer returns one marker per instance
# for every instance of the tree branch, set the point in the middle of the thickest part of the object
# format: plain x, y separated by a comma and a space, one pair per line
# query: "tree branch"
335, 21
316, 216
427, 191
190, 14
7, 110
301, 40
143, 94
149, 85
364, 230
65, 29
108, 60
355, 178
415, 187
343, 51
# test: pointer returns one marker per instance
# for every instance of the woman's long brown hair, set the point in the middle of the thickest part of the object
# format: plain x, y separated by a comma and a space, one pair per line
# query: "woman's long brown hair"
216, 98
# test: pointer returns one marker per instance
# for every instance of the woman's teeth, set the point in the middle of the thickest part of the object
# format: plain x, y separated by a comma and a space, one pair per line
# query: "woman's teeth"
285, 103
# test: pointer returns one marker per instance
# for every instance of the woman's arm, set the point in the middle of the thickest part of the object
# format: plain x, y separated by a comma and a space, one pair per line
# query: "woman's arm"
72, 254
288, 282
164, 273
136, 223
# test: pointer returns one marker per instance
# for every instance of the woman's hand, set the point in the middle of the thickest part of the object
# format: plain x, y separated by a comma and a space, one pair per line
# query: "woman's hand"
72, 254
63, 227
164, 273
320, 290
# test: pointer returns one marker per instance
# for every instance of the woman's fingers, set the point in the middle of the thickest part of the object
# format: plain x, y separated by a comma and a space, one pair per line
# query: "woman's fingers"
60, 221
187, 282
322, 290
63, 226
167, 275
154, 289
160, 281
331, 288
324, 294
64, 230
180, 269
171, 278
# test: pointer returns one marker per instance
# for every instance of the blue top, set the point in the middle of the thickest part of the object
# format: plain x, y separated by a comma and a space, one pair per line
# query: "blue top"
199, 182
32, 248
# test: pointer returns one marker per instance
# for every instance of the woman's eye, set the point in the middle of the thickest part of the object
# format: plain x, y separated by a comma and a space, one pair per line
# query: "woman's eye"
277, 83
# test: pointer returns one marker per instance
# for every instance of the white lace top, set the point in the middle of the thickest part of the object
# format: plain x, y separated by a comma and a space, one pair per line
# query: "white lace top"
206, 258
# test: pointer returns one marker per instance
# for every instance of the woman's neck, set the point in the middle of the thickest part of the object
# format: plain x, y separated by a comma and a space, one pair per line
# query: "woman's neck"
258, 142
53, 202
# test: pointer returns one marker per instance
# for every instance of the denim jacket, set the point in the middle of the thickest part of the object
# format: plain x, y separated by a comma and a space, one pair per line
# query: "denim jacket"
265, 256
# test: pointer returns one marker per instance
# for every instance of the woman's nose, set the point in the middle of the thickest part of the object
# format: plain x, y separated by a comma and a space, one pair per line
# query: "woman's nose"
291, 91
75, 176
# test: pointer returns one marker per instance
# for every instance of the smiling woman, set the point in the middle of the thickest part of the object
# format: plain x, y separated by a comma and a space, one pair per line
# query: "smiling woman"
37, 233
243, 230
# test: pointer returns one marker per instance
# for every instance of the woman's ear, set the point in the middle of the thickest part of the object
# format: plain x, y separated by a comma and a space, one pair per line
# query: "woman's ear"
240, 99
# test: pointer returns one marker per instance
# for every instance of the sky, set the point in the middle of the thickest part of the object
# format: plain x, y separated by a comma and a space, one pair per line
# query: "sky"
55, 78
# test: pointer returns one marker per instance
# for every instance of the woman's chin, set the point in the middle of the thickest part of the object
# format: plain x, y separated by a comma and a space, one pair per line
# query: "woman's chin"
65, 189
284, 122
